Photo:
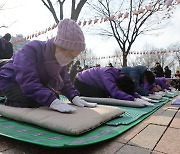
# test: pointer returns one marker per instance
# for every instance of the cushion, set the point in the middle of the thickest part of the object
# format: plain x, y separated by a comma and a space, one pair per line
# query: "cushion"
112, 101
83, 120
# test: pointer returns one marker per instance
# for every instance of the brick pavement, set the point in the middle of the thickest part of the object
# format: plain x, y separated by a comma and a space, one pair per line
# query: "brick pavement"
158, 134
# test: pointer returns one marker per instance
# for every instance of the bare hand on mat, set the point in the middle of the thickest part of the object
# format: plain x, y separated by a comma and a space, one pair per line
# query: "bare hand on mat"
82, 103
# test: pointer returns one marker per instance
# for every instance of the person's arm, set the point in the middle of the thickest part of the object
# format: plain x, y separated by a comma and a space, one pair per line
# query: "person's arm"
163, 85
148, 87
136, 95
25, 67
111, 87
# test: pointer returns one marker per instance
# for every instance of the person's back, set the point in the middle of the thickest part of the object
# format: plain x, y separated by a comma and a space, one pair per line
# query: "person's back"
6, 48
158, 70
162, 82
138, 74
167, 72
93, 76
105, 82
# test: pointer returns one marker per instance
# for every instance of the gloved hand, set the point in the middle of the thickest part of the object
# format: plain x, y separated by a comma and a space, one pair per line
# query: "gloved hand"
82, 103
58, 105
144, 102
173, 89
162, 93
148, 99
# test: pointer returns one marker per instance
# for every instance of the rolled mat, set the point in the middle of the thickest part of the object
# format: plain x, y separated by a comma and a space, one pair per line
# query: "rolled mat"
112, 101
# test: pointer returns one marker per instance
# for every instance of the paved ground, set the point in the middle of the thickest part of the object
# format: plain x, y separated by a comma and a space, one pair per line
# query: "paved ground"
158, 134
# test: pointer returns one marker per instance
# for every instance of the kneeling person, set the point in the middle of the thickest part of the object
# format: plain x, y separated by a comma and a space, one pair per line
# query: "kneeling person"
105, 82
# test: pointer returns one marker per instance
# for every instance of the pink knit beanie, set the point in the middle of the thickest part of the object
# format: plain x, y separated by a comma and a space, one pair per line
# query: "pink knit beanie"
70, 36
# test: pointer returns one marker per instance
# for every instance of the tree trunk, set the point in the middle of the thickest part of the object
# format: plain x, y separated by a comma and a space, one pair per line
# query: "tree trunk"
124, 59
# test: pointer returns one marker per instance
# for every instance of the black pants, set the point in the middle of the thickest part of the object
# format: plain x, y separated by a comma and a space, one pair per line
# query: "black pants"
15, 98
176, 83
89, 91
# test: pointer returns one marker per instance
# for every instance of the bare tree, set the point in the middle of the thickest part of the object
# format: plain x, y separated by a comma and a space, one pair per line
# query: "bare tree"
88, 58
151, 57
175, 48
116, 61
59, 15
138, 17
1, 8
9, 24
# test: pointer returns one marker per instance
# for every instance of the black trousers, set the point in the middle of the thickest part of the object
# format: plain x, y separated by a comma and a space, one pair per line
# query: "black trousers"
176, 83
16, 98
89, 91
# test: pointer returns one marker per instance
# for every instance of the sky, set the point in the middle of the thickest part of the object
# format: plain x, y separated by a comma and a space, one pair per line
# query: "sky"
29, 16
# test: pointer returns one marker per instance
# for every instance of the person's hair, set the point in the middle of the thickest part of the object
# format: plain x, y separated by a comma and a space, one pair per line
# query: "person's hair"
77, 62
110, 64
172, 83
126, 84
7, 36
149, 76
166, 67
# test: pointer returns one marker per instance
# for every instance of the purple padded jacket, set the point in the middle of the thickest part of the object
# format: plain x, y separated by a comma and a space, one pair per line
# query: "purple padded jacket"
35, 69
105, 78
149, 87
161, 81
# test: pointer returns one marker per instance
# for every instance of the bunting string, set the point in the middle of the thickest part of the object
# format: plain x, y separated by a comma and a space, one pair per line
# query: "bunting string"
118, 15
130, 53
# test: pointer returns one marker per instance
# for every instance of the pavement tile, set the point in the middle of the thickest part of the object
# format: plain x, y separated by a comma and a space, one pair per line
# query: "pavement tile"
24, 148
106, 147
176, 121
129, 149
170, 142
163, 119
157, 152
6, 143
142, 138
125, 137
148, 137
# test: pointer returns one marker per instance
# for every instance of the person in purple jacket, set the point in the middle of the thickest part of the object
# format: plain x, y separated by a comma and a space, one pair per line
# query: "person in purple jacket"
160, 84
39, 69
163, 82
105, 82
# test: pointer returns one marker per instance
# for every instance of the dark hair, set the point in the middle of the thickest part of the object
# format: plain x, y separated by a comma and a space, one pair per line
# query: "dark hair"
149, 76
166, 67
126, 84
172, 83
77, 62
7, 36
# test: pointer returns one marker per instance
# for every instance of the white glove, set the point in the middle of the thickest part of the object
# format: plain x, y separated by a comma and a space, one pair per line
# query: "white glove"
144, 102
148, 99
82, 103
61, 107
171, 93
172, 89
162, 93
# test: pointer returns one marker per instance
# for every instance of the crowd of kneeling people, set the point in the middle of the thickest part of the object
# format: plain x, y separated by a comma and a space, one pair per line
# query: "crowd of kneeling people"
126, 83
38, 73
